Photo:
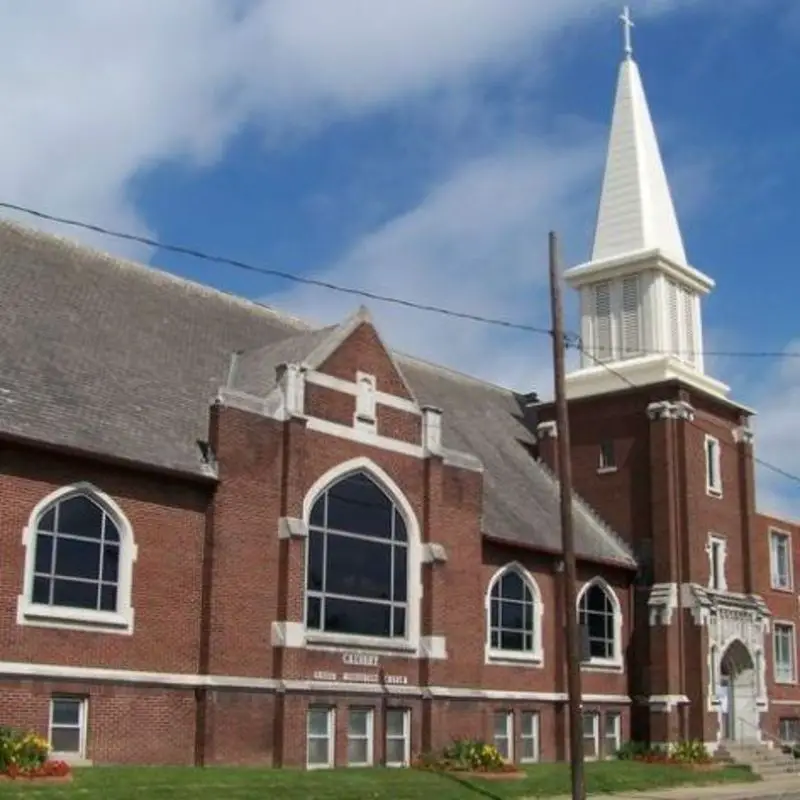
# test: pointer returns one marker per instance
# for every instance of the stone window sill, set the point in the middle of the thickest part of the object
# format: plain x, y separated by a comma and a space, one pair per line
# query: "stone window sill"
72, 618
512, 658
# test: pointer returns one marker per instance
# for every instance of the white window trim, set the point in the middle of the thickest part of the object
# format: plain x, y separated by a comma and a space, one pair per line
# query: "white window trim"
784, 624
713, 489
83, 719
406, 738
595, 715
76, 619
722, 542
614, 664
508, 719
616, 716
330, 736
412, 641
534, 737
370, 736
776, 533
493, 655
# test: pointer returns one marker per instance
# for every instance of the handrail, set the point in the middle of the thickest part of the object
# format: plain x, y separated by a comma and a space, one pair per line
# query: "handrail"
775, 739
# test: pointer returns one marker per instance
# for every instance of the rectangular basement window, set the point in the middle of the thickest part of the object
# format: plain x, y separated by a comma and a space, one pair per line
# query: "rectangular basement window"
504, 734
360, 737
613, 734
68, 727
319, 738
591, 734
398, 737
530, 737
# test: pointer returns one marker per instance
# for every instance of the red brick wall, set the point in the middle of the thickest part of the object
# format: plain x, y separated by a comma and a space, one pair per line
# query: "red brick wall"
126, 724
266, 469
167, 518
785, 699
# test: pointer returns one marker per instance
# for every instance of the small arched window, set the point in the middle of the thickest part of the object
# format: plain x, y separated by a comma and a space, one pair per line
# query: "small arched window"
357, 562
514, 616
78, 562
600, 621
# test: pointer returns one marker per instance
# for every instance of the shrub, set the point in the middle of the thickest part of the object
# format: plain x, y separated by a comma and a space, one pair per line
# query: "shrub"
22, 753
467, 755
633, 751
689, 752
684, 752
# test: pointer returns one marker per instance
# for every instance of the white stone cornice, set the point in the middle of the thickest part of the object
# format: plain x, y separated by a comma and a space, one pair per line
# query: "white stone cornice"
743, 435
662, 602
547, 430
671, 409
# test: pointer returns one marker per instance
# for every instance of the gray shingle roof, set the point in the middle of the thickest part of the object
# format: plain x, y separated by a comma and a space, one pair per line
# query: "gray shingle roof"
118, 359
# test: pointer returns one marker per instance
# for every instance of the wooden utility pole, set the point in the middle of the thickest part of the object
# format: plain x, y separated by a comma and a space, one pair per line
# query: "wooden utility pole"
567, 535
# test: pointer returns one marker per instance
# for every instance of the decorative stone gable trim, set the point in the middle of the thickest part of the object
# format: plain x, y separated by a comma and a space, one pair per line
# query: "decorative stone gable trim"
743, 435
292, 381
662, 602
547, 430
432, 430
292, 528
433, 553
671, 409
364, 416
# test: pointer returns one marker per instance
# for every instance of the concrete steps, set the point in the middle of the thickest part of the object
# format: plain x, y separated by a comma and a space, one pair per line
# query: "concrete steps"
764, 761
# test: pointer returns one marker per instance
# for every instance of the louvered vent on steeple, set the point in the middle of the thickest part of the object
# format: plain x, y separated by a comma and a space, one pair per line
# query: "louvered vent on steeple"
603, 343
631, 333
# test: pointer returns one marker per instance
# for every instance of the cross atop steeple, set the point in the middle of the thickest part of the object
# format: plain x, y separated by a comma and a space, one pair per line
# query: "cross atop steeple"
627, 26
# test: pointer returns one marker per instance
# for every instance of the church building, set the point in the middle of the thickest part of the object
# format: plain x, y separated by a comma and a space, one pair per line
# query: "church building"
230, 537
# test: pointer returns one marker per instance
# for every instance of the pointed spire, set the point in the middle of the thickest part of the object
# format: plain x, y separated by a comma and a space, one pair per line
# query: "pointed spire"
636, 209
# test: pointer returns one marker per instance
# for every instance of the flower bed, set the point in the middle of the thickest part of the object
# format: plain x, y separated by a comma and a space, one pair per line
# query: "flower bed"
689, 754
470, 758
25, 756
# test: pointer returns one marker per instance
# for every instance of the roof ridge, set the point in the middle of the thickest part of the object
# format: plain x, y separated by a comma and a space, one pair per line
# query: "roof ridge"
152, 272
454, 373
590, 511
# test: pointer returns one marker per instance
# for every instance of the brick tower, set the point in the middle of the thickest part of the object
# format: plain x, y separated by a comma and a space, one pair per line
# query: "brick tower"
662, 453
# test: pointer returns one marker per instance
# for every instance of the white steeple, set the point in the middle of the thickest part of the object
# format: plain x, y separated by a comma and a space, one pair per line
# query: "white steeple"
640, 299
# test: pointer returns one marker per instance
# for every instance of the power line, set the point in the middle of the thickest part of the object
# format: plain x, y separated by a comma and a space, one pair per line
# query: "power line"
760, 461
383, 298
572, 339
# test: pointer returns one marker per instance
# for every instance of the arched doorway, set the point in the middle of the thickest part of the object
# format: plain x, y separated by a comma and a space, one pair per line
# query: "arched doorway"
739, 683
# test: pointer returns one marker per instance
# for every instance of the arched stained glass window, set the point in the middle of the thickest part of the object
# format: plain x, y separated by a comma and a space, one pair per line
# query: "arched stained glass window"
512, 613
357, 561
77, 556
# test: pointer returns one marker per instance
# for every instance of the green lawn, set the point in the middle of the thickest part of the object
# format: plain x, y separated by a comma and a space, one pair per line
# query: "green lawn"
545, 780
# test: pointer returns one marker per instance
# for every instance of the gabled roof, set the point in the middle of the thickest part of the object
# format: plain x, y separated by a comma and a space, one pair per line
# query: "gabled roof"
113, 358
636, 210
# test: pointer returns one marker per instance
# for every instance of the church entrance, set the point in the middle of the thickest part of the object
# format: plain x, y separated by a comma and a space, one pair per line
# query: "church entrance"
738, 684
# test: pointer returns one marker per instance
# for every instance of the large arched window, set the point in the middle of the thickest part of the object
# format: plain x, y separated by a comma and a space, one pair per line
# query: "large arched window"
78, 562
514, 622
358, 562
600, 621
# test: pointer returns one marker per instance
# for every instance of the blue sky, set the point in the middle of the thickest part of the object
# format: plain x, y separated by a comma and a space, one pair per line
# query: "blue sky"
421, 150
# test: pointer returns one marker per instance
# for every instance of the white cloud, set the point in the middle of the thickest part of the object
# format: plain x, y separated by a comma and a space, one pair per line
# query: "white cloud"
95, 93
476, 243
775, 393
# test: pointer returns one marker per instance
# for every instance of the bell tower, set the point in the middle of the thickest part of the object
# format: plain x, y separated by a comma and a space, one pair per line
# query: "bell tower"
640, 300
